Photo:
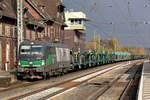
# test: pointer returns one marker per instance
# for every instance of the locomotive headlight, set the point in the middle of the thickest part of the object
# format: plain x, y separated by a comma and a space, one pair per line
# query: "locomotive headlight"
19, 63
30, 63
43, 62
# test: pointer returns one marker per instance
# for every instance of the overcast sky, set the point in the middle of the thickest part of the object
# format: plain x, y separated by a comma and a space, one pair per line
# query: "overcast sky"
115, 18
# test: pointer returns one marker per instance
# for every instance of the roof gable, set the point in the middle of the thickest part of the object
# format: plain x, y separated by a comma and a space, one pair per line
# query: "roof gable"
6, 6
32, 9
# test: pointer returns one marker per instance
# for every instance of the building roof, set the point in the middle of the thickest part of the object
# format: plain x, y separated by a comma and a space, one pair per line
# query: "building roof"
49, 9
74, 20
38, 10
11, 7
6, 6
76, 15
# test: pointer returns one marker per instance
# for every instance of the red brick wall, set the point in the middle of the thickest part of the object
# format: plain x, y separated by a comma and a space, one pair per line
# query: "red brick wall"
53, 31
74, 41
69, 38
3, 41
11, 43
11, 40
12, 54
83, 41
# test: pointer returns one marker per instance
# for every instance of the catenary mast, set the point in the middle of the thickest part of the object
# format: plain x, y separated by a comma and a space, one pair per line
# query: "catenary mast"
20, 29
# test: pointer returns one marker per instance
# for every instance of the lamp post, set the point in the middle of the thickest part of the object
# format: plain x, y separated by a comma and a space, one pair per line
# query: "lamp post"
95, 37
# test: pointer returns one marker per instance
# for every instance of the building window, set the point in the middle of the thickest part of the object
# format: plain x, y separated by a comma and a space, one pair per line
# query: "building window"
72, 21
14, 31
80, 22
75, 39
60, 32
7, 30
48, 32
62, 17
45, 31
8, 51
54, 33
33, 35
27, 34
76, 22
0, 28
60, 8
15, 52
58, 14
39, 34
0, 55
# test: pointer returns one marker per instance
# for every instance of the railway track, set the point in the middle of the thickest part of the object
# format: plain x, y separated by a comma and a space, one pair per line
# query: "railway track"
125, 95
63, 85
13, 90
100, 92
51, 91
26, 83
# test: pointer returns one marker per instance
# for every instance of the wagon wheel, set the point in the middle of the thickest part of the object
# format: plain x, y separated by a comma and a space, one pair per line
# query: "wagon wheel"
44, 76
19, 77
47, 75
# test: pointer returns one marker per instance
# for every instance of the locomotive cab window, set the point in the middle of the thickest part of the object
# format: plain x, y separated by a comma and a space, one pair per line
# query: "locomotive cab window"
52, 50
31, 50
36, 50
25, 49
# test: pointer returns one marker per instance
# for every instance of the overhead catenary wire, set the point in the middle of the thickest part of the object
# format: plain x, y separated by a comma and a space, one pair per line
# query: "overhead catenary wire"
115, 5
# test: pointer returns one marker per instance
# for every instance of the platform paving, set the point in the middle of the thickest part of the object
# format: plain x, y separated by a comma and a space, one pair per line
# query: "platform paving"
144, 87
7, 78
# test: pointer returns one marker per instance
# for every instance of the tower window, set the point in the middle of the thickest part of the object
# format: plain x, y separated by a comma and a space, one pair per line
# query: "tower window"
60, 8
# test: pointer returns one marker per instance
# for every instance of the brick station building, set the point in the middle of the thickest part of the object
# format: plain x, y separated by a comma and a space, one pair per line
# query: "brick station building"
43, 20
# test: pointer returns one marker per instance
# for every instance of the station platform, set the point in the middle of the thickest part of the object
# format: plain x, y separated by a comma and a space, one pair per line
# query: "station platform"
144, 86
7, 78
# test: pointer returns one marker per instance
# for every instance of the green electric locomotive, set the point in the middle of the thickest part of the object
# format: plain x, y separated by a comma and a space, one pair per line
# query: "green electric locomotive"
41, 59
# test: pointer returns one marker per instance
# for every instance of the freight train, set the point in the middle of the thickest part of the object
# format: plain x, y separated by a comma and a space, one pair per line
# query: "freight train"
42, 59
